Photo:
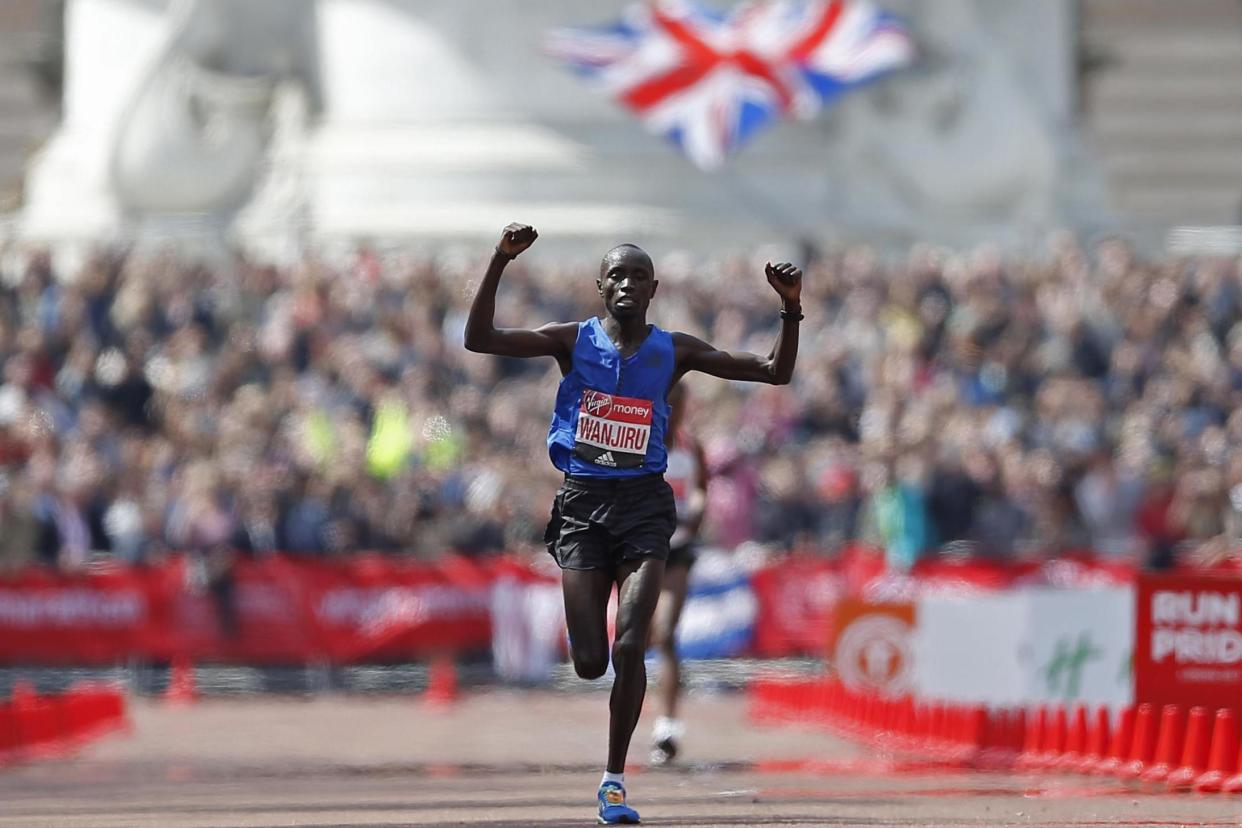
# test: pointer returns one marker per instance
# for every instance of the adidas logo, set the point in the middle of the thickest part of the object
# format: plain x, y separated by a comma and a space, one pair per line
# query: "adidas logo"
606, 459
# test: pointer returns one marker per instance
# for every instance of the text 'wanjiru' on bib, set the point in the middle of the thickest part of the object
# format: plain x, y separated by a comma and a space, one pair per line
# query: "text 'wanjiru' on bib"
613, 431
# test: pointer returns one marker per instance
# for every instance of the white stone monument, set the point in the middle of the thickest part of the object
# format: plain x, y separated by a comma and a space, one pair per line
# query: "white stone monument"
438, 122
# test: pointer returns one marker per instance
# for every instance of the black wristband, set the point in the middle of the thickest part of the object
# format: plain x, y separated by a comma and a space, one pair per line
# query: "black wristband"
505, 255
798, 317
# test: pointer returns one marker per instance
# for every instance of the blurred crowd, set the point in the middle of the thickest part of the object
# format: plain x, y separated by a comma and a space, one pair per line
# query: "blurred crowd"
944, 403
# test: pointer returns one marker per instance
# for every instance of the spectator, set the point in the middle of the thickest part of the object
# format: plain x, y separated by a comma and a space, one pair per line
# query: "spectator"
20, 539
1080, 399
1108, 499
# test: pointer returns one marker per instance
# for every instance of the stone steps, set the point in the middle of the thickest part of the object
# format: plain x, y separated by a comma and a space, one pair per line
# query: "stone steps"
1165, 113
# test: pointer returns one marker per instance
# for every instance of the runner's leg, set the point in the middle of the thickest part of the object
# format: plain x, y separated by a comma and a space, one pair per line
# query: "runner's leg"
586, 593
664, 637
639, 585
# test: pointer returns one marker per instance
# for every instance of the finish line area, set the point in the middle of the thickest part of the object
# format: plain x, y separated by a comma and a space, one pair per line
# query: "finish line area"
511, 757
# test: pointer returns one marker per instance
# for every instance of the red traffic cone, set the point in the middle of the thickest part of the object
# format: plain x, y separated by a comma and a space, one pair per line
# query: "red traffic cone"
1119, 745
1034, 741
836, 698
1143, 748
1054, 738
921, 737
759, 704
38, 723
867, 718
1195, 751
77, 714
822, 701
849, 710
905, 719
935, 724
1075, 740
10, 735
970, 725
1169, 745
892, 716
441, 682
1097, 742
182, 689
1234, 783
983, 728
23, 692
973, 734
993, 738
1223, 758
1016, 733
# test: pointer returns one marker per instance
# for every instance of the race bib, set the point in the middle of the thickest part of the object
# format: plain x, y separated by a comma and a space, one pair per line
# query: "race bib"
613, 431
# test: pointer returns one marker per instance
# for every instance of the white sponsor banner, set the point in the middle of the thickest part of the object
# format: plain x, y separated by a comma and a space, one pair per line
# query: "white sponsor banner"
83, 607
1028, 645
528, 629
966, 647
718, 619
1079, 645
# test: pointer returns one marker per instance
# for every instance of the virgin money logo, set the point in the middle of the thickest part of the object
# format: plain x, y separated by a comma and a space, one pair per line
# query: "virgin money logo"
596, 403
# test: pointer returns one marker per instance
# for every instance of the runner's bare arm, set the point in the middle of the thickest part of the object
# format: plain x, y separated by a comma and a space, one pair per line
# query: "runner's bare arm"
696, 501
693, 354
697, 506
482, 335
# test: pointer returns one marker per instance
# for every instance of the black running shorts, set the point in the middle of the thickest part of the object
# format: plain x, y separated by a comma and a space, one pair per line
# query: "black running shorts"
683, 554
600, 522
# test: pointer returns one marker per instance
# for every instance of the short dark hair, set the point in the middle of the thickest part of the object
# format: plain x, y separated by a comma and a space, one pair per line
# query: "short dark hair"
603, 263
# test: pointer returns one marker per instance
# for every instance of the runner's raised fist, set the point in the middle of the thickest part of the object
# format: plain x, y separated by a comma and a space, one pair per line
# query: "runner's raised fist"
515, 238
786, 279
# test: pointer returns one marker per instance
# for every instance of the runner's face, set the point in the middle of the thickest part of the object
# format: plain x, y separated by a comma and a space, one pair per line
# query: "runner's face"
627, 283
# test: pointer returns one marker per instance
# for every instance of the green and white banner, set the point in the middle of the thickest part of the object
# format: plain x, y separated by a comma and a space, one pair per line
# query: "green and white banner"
1026, 646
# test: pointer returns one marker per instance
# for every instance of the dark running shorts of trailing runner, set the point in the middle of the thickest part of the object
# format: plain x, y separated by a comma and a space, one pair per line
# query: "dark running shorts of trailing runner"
683, 554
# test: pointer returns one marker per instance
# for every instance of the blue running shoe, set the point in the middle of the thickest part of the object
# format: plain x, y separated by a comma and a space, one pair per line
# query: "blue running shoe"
612, 807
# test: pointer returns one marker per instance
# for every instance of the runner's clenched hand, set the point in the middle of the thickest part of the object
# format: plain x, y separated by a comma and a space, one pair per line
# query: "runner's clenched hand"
515, 238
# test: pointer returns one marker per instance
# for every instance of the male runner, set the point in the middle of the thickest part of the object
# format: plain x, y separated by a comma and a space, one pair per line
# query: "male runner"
614, 515
687, 475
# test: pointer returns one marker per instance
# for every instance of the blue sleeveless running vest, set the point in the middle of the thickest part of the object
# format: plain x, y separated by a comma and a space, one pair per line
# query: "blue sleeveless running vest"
611, 412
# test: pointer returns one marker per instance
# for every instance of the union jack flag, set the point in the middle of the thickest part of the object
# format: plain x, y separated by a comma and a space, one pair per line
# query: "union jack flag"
710, 80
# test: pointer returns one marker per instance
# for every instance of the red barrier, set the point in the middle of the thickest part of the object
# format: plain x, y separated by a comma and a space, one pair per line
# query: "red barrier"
38, 727
797, 600
282, 610
1188, 639
373, 608
10, 738
973, 736
51, 618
